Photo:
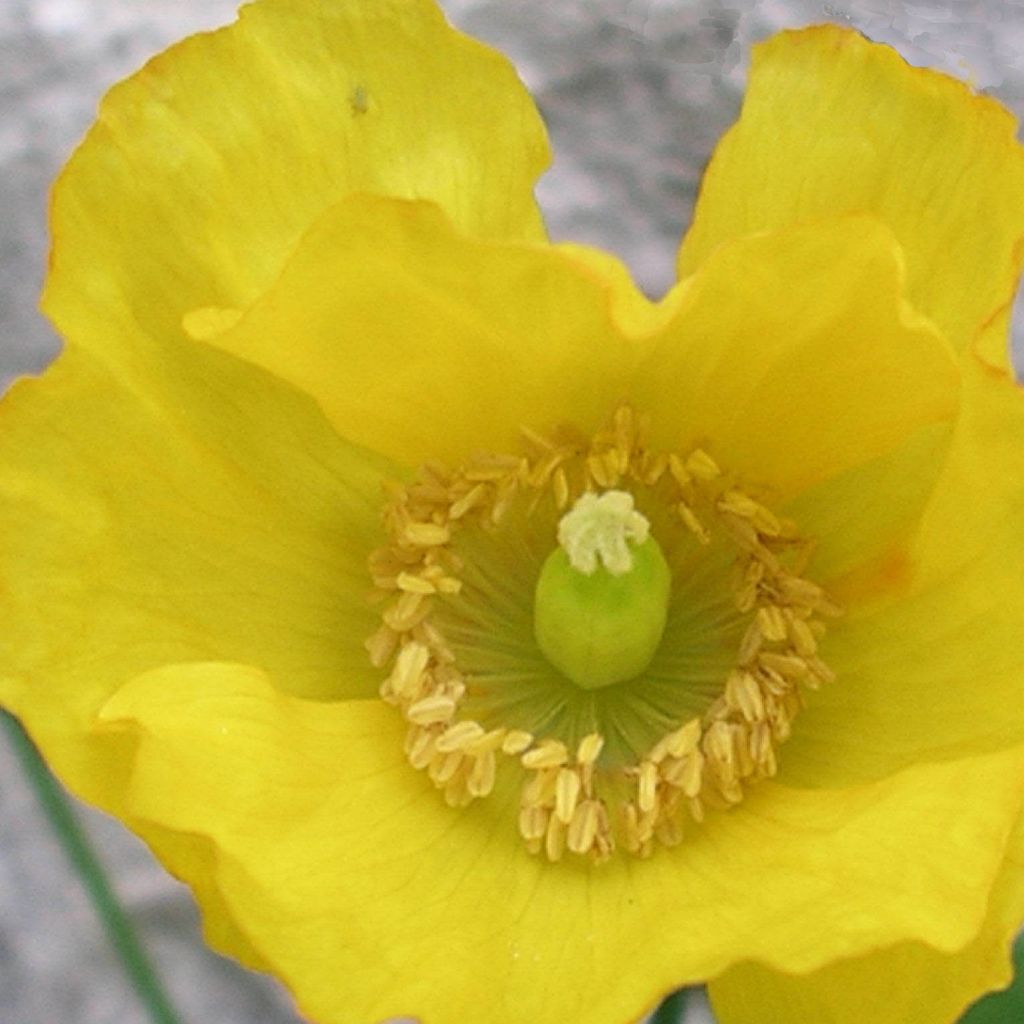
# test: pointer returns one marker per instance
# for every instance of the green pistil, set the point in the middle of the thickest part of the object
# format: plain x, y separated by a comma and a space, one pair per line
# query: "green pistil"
602, 595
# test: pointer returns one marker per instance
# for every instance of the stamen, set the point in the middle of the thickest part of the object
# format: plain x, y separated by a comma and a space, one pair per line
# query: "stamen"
583, 827
584, 794
414, 584
550, 754
431, 710
412, 661
425, 535
702, 466
516, 742
423, 748
567, 791
459, 736
482, 776
647, 791
554, 841
590, 748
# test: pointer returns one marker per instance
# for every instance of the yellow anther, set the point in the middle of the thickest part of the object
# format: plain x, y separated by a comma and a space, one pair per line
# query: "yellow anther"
583, 827
678, 469
423, 750
685, 738
540, 789
652, 468
693, 524
409, 667
554, 839
560, 488
489, 742
702, 466
381, 646
459, 736
407, 612
771, 622
751, 643
590, 748
445, 765
671, 770
766, 522
473, 498
431, 710
482, 774
647, 788
743, 693
718, 744
738, 503
516, 741
567, 791
804, 642
789, 666
550, 754
425, 535
414, 584
533, 822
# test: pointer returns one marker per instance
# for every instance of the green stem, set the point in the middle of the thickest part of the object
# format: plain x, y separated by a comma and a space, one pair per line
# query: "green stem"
72, 838
671, 1010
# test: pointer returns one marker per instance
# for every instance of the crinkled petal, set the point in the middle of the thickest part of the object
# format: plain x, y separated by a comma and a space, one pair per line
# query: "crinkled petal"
907, 982
793, 356
206, 166
833, 123
372, 898
928, 656
426, 344
216, 515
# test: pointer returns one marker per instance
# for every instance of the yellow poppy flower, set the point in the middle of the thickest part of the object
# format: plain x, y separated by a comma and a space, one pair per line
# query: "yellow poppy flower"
480, 639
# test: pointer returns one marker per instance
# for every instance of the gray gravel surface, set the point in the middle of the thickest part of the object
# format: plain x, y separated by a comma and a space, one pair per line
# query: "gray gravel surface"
635, 93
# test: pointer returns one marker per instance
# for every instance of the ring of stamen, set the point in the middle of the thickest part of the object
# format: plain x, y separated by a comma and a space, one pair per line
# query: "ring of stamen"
571, 799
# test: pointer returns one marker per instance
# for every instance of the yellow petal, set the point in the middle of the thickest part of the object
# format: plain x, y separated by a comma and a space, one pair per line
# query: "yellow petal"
794, 356
635, 314
424, 344
372, 898
430, 345
206, 166
832, 123
194, 857
215, 515
928, 654
907, 982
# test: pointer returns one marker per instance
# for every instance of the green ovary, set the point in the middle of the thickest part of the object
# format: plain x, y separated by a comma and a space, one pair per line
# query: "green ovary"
601, 628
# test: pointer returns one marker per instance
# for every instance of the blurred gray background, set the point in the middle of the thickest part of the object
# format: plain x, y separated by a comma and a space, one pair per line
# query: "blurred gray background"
635, 93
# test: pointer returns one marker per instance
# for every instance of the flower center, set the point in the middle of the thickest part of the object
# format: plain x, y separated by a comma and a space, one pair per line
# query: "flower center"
602, 596
536, 635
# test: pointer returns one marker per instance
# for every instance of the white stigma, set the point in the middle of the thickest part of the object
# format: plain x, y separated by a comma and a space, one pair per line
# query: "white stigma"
602, 527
